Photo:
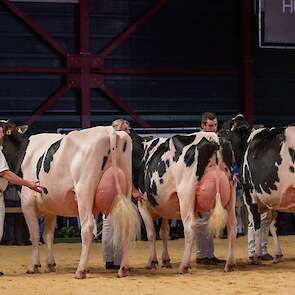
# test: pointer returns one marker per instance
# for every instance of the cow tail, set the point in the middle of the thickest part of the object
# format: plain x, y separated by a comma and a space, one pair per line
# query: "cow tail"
124, 214
218, 217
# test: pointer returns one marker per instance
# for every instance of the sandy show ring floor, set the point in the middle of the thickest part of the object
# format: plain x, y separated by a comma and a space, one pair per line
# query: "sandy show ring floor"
247, 279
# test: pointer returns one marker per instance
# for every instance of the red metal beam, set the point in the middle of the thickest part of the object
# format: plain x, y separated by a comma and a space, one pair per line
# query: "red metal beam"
132, 28
123, 105
48, 103
114, 44
35, 27
248, 60
85, 92
168, 71
88, 68
45, 70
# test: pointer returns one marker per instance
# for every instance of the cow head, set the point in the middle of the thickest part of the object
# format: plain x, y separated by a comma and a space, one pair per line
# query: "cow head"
14, 141
237, 131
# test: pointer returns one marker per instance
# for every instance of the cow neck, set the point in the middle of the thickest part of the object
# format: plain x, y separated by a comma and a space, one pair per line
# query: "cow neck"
15, 154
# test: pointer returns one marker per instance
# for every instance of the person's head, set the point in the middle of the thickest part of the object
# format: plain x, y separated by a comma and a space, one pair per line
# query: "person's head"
121, 125
209, 122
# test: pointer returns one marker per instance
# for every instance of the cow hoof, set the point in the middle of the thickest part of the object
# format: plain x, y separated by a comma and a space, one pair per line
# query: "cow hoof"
166, 263
153, 264
81, 274
256, 261
278, 258
50, 267
184, 269
229, 267
33, 269
123, 272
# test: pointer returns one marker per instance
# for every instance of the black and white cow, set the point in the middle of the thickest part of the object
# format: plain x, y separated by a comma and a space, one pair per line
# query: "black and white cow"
81, 173
267, 158
180, 178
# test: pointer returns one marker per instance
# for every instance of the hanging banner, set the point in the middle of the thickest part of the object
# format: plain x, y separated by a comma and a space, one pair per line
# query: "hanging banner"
277, 23
48, 1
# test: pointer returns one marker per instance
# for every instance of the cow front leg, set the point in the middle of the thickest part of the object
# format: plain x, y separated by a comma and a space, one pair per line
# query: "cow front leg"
50, 221
29, 211
151, 234
164, 234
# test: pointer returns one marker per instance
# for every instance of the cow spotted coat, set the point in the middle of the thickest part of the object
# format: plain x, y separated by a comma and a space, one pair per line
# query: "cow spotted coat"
180, 177
82, 173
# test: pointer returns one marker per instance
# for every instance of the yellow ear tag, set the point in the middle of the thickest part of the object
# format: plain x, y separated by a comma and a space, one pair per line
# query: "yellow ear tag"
233, 128
8, 132
19, 130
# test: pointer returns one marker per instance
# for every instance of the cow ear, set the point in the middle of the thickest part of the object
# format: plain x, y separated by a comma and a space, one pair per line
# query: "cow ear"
233, 127
22, 129
8, 131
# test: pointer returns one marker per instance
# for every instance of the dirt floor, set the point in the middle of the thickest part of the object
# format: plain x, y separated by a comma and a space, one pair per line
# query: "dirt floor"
247, 279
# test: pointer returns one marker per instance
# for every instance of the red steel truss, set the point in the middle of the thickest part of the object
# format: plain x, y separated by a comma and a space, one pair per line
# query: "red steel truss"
86, 70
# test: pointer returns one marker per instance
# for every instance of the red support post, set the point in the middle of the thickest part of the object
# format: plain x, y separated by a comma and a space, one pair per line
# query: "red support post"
85, 64
85, 92
248, 61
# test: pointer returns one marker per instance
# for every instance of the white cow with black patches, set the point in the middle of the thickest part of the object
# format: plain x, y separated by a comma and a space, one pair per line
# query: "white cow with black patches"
82, 173
180, 177
267, 173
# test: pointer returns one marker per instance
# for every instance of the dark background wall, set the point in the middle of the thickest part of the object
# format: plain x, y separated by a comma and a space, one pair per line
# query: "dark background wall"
201, 39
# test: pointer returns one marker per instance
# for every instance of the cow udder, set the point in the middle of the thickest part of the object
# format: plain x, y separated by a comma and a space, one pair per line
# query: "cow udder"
206, 190
106, 190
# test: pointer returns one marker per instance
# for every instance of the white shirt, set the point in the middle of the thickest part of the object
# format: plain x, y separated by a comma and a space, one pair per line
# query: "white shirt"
3, 167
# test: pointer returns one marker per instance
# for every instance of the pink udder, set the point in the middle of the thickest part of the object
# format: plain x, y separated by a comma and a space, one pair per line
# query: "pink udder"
287, 200
106, 190
206, 190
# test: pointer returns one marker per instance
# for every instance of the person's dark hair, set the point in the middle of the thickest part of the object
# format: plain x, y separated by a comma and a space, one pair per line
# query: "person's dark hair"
207, 116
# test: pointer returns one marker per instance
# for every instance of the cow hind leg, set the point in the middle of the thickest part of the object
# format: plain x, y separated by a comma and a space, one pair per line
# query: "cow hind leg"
186, 202
255, 220
278, 252
232, 233
164, 234
50, 221
2, 214
126, 229
151, 235
86, 236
